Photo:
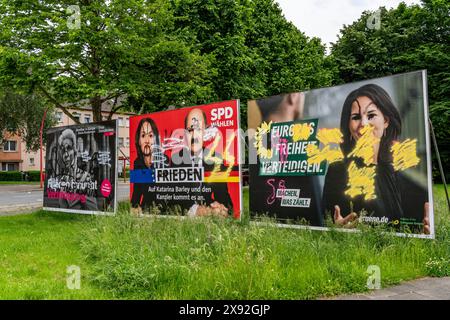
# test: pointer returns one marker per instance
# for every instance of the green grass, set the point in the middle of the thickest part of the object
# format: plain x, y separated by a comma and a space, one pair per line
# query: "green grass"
173, 258
35, 251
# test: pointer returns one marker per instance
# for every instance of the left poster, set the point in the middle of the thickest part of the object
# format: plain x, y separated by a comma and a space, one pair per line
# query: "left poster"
81, 168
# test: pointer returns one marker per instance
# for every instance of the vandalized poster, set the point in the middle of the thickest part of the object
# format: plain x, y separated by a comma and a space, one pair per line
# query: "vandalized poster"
80, 168
345, 155
186, 161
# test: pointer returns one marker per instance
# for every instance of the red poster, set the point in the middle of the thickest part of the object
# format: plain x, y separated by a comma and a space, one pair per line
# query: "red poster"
187, 161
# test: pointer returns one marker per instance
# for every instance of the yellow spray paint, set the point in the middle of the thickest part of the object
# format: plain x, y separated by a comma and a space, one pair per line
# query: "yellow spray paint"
216, 174
329, 154
364, 146
301, 131
404, 154
326, 136
262, 151
361, 181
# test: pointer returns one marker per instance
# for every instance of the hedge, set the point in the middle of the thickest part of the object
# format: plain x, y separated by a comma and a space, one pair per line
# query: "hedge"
10, 176
32, 175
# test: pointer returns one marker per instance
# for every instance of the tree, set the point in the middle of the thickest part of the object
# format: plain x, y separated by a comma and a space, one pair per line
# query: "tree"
255, 51
99, 51
177, 76
22, 115
292, 61
410, 38
220, 29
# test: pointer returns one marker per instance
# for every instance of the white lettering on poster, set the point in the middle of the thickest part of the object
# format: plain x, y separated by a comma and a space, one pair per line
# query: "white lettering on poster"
299, 202
288, 193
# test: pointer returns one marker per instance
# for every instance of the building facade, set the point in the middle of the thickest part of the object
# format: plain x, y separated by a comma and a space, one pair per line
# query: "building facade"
11, 154
15, 157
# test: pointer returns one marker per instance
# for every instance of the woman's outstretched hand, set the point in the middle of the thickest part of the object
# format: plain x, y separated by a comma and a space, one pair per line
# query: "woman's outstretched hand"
426, 219
345, 222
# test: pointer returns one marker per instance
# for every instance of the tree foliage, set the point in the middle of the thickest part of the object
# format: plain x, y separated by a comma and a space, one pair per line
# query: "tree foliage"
255, 50
154, 53
22, 115
151, 54
410, 38
120, 49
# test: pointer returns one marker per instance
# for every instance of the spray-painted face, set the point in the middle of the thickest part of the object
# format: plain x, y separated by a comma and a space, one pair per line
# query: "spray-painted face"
146, 139
195, 126
365, 112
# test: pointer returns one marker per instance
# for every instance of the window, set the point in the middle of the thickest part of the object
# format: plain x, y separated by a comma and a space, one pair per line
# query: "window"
59, 116
127, 122
120, 122
120, 142
10, 146
127, 142
12, 166
76, 115
31, 161
87, 118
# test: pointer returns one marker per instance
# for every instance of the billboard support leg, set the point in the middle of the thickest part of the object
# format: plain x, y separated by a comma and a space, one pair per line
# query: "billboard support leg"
41, 132
441, 169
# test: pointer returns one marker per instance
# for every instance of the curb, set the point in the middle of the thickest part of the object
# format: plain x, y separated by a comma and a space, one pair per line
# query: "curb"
19, 209
419, 289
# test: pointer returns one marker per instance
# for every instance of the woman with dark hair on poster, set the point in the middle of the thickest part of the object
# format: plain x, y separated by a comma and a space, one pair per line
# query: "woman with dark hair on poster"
368, 105
150, 156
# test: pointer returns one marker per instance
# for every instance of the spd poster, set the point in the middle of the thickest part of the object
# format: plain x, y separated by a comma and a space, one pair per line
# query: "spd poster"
186, 161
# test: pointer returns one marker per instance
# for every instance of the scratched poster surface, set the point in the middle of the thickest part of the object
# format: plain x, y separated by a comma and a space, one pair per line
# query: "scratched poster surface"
186, 161
357, 153
80, 168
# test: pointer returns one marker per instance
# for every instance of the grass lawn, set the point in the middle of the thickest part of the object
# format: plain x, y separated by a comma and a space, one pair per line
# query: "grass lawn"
123, 257
35, 251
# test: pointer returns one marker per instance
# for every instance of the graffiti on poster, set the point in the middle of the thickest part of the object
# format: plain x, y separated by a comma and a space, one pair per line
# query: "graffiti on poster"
350, 154
187, 160
80, 168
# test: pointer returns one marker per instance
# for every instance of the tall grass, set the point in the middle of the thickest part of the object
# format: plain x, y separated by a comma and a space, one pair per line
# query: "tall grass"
211, 258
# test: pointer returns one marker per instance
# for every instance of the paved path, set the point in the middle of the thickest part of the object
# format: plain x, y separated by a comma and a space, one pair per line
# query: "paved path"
16, 199
421, 289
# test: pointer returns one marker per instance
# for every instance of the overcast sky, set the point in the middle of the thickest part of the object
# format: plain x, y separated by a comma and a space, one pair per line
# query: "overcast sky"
324, 18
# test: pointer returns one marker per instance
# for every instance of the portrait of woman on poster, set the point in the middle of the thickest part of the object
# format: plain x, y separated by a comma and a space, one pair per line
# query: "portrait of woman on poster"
372, 105
149, 157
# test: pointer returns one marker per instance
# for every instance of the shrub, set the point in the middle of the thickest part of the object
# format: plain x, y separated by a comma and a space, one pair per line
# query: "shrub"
439, 267
127, 172
33, 175
10, 176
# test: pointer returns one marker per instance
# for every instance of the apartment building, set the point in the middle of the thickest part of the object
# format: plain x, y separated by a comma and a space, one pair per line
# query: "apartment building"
15, 157
10, 154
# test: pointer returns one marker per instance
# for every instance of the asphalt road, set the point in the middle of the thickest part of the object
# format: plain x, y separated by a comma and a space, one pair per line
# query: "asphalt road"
17, 197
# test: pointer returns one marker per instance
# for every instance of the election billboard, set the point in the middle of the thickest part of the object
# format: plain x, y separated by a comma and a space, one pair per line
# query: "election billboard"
357, 153
186, 161
81, 168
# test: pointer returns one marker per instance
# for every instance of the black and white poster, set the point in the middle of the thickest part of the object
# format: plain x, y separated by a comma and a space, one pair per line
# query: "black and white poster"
81, 168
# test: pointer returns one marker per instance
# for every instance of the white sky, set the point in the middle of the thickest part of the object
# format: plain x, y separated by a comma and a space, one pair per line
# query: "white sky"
324, 18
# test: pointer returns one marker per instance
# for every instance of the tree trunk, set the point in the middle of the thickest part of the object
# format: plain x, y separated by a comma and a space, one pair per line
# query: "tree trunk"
96, 104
